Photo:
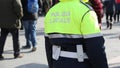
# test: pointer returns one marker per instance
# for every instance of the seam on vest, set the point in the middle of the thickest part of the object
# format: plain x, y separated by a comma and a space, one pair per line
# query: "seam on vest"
84, 15
89, 7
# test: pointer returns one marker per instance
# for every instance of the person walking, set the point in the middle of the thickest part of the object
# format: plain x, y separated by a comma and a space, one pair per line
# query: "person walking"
117, 12
109, 6
73, 38
10, 16
29, 21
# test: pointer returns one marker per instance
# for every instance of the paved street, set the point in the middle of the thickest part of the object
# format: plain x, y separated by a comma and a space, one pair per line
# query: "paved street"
38, 59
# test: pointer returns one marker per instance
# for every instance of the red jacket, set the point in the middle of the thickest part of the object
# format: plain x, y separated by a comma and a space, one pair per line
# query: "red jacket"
117, 1
98, 7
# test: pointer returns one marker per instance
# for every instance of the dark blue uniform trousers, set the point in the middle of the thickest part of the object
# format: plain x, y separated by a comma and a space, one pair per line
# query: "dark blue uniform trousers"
96, 56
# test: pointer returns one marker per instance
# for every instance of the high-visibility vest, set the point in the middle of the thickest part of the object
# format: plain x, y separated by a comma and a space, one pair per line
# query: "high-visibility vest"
72, 17
85, 0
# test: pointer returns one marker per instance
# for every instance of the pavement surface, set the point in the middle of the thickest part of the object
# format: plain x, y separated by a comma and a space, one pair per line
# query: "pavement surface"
38, 59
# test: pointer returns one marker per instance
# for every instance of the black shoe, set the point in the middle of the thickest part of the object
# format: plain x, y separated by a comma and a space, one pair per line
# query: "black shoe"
26, 47
1, 57
110, 25
18, 56
107, 26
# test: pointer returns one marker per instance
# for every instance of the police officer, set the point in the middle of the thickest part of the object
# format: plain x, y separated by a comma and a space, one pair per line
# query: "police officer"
73, 38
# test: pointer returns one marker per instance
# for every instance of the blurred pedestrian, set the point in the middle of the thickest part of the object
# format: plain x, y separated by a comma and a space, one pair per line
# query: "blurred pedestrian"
54, 2
10, 14
98, 7
73, 34
47, 4
29, 21
117, 12
109, 7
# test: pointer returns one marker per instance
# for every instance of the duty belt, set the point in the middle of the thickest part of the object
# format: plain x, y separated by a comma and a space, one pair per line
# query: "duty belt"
80, 55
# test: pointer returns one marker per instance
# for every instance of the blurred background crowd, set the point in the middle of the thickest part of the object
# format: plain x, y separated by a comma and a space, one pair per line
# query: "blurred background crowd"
108, 8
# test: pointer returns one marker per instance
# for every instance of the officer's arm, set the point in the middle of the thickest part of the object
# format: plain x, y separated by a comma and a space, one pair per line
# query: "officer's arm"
94, 41
89, 24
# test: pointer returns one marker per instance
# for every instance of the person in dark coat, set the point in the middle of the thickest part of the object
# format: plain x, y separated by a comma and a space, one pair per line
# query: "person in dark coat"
109, 6
117, 12
54, 2
10, 15
46, 5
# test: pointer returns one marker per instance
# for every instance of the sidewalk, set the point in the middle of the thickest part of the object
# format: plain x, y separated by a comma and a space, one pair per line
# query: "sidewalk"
38, 59
112, 44
114, 63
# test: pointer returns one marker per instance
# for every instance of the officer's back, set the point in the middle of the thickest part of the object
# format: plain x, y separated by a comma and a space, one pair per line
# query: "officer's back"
73, 36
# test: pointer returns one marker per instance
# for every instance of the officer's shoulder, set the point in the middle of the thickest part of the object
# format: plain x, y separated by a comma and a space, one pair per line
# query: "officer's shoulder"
87, 6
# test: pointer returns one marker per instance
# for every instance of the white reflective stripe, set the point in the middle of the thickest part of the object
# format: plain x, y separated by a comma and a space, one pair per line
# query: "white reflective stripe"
92, 35
68, 54
71, 54
80, 53
56, 52
73, 35
64, 36
85, 56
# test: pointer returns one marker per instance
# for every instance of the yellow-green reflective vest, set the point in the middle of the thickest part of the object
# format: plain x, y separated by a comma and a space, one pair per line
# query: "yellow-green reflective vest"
85, 0
71, 17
